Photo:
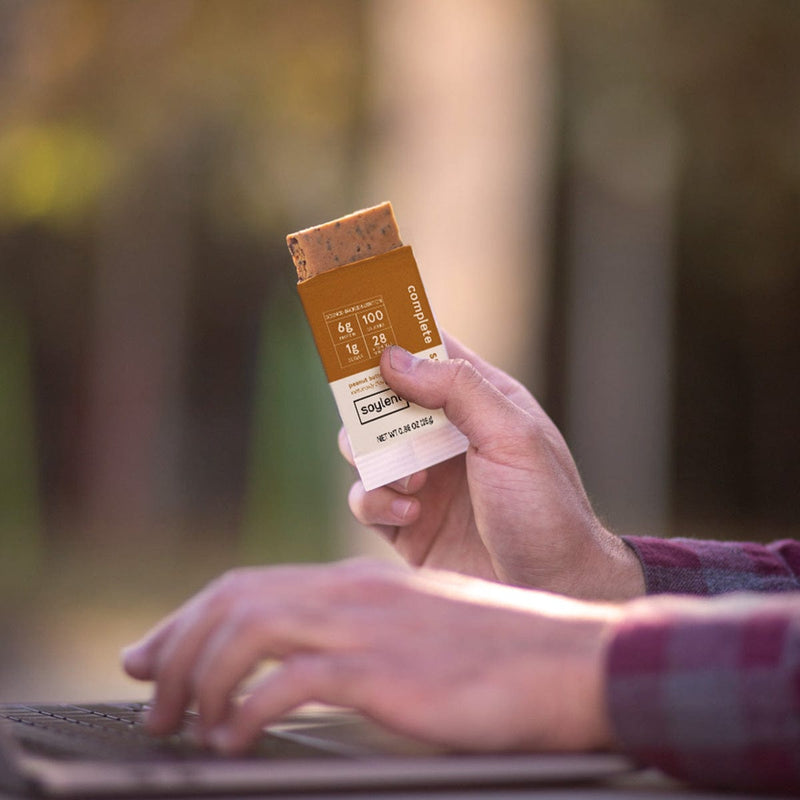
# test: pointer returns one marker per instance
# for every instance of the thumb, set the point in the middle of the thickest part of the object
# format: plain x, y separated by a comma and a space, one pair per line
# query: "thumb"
477, 408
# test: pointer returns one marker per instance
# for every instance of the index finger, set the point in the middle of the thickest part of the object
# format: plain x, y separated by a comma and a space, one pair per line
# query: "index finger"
501, 380
139, 659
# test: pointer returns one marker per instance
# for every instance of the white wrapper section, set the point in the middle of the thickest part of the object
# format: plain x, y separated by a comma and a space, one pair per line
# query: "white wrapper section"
390, 437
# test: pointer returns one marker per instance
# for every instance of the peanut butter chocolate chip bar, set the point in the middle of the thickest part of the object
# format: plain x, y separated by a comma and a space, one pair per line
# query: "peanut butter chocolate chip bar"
369, 232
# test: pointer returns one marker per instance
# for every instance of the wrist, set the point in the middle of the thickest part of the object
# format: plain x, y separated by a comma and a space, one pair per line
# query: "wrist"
587, 708
610, 570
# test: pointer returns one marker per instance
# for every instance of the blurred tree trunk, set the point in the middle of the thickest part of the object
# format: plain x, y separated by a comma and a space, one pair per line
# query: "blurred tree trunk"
461, 98
20, 533
619, 193
140, 299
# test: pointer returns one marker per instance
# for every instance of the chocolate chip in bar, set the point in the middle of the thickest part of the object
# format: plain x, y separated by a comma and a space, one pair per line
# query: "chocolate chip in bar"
365, 233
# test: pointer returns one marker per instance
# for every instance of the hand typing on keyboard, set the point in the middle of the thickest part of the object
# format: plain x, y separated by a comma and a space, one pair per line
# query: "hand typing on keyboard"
451, 660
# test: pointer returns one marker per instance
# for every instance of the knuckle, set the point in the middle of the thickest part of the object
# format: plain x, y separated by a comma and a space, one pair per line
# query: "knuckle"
367, 580
204, 683
248, 620
227, 584
234, 583
464, 374
302, 669
530, 434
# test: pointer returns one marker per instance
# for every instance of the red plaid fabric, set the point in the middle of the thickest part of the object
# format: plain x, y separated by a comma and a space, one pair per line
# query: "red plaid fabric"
709, 690
690, 566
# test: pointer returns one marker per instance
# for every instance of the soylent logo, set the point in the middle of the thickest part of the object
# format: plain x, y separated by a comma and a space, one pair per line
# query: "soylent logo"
380, 404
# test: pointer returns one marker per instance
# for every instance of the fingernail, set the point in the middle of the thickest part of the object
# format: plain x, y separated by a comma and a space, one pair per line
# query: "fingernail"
400, 359
131, 657
401, 507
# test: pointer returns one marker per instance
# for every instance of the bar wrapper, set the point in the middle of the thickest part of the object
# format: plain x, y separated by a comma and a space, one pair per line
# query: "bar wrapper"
356, 311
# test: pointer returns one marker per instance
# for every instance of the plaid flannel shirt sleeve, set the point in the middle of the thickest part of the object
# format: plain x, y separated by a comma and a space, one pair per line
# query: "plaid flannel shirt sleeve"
691, 566
708, 689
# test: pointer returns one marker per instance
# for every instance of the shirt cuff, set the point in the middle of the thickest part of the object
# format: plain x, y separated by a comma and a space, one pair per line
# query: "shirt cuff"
699, 567
709, 697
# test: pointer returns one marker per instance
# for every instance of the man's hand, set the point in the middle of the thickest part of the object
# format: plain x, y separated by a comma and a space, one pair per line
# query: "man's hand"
450, 660
513, 508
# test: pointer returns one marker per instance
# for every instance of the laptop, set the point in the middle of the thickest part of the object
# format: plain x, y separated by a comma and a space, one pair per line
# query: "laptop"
101, 749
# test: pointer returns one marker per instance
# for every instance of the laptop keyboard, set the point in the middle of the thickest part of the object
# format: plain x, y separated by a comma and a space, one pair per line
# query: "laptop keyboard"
116, 731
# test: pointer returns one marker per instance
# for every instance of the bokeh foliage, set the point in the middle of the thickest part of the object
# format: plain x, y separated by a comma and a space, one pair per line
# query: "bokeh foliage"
153, 155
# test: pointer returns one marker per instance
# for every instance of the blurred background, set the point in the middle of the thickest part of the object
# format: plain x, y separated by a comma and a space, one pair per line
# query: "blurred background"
603, 196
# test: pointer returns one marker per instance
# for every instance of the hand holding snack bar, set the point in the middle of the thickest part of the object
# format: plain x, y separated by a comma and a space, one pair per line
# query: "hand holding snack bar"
513, 508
